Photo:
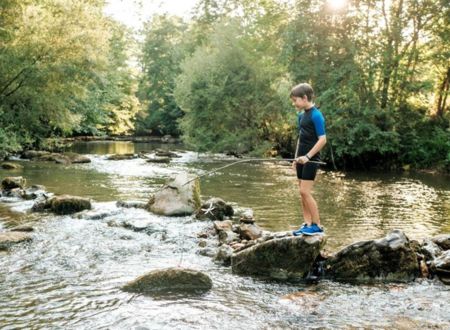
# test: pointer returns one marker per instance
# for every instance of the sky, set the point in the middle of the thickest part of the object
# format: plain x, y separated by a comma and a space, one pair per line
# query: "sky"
134, 12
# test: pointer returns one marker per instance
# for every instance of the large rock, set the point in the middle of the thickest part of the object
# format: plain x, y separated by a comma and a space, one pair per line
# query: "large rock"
283, 258
214, 209
179, 197
66, 204
12, 182
441, 267
171, 280
11, 238
443, 241
391, 258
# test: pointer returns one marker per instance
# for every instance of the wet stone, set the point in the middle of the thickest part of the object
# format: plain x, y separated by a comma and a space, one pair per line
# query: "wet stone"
10, 166
132, 204
67, 204
159, 160
283, 258
250, 231
443, 241
387, 259
170, 280
215, 209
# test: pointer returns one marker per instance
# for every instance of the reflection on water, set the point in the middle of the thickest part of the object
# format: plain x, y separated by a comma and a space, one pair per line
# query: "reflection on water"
70, 275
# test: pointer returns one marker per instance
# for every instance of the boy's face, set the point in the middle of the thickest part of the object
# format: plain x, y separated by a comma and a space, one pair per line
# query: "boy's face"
300, 102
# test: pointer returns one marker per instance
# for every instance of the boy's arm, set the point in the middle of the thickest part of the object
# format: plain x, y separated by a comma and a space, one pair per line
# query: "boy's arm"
317, 147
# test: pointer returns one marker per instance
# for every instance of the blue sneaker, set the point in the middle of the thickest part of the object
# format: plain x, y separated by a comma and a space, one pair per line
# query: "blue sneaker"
298, 232
314, 229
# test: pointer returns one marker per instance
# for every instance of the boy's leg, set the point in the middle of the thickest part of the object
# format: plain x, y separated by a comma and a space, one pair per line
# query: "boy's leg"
306, 211
307, 198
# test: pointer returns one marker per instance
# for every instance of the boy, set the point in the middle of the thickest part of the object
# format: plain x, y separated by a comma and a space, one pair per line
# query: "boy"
312, 139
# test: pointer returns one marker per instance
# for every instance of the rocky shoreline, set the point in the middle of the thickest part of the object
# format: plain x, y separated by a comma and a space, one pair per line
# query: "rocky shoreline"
233, 239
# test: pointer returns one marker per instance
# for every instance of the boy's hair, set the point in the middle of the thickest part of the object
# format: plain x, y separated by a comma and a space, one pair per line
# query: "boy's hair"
301, 90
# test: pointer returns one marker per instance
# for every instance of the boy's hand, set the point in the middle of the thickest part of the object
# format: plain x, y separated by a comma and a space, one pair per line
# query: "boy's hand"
302, 160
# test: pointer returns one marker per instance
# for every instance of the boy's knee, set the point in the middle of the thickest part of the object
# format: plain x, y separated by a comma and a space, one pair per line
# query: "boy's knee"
304, 193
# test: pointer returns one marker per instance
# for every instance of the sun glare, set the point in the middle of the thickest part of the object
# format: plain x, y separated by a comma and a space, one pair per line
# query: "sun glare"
337, 4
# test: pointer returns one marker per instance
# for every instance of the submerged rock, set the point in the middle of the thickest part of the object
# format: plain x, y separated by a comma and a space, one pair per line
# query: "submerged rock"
283, 258
13, 182
387, 259
32, 154
11, 166
179, 197
214, 209
171, 280
11, 238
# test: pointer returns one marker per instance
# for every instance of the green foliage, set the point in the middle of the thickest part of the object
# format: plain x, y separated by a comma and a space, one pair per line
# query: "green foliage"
226, 94
162, 54
62, 69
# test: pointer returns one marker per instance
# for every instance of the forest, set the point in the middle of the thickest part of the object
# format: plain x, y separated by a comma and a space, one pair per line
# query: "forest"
220, 81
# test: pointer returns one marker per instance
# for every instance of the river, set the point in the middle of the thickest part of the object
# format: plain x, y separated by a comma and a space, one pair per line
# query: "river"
69, 276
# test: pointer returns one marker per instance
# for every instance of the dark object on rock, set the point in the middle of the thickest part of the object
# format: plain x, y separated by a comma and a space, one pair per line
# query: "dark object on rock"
387, 259
443, 241
250, 231
284, 258
11, 238
64, 204
122, 157
11, 166
170, 280
12, 182
214, 209
441, 267
132, 204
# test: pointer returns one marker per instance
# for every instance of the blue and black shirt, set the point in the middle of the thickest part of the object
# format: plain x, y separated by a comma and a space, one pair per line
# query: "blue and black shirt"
311, 124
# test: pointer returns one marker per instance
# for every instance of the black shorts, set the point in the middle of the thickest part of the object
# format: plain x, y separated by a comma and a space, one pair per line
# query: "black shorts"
307, 171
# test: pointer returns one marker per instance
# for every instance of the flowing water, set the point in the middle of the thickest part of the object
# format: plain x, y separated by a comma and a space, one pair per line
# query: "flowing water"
69, 276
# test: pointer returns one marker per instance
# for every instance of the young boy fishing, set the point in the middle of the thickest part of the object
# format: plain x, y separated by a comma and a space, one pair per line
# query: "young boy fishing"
312, 139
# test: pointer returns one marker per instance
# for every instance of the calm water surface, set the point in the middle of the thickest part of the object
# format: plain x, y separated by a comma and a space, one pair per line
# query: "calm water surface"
69, 276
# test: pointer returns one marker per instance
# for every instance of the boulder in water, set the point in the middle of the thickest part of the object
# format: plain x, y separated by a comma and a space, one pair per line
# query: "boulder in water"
13, 182
391, 258
132, 204
250, 231
283, 258
11, 166
179, 197
66, 204
170, 280
11, 238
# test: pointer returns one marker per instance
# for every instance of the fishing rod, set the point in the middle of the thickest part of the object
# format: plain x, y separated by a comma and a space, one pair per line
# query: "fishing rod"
239, 162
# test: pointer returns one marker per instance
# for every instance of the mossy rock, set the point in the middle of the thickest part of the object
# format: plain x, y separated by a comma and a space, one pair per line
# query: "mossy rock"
170, 280
10, 166
67, 204
13, 182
